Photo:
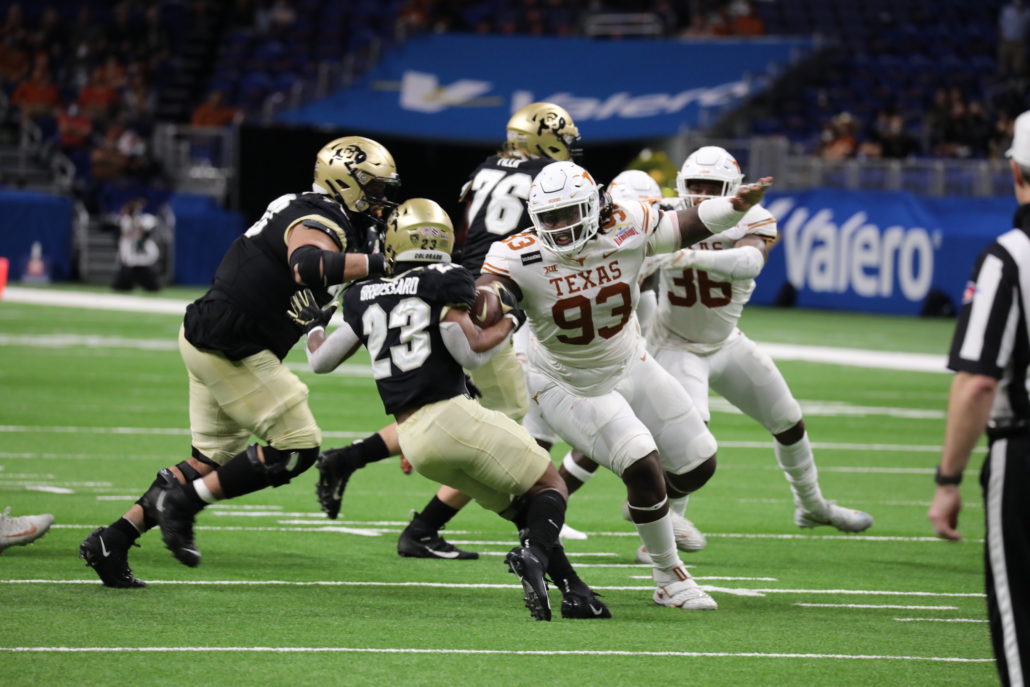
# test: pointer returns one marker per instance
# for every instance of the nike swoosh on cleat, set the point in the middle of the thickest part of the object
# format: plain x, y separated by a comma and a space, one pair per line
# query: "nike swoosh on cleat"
442, 554
103, 548
595, 611
27, 533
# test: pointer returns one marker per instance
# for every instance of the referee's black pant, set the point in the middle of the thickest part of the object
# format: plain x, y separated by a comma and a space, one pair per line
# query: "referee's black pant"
1005, 479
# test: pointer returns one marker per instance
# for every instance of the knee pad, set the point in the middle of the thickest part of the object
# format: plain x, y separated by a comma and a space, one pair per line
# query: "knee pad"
280, 466
165, 480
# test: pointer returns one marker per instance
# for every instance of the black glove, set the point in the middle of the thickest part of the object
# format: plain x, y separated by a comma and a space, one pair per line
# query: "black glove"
472, 389
510, 305
307, 313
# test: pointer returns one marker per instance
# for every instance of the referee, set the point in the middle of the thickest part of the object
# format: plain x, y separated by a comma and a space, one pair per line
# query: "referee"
990, 354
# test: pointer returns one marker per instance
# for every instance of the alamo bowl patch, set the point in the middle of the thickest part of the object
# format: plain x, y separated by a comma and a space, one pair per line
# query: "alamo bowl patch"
531, 257
968, 292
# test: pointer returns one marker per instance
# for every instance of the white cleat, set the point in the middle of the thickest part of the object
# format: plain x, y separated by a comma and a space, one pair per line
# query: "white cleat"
677, 589
22, 530
571, 533
844, 519
643, 556
688, 538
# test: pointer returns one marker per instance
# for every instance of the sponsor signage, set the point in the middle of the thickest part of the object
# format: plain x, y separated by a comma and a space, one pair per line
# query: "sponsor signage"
879, 252
464, 87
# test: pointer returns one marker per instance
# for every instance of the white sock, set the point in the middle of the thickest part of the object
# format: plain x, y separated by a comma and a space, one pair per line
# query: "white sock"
798, 465
203, 492
659, 541
678, 505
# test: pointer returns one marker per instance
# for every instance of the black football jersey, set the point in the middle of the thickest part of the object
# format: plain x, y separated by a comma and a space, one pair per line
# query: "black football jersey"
398, 320
244, 311
498, 191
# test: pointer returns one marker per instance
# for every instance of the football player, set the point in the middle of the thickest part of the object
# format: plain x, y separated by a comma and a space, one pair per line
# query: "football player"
576, 277
702, 292
495, 198
233, 341
415, 324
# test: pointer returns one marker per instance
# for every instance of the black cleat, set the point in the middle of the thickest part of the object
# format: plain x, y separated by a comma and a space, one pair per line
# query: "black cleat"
530, 571
432, 545
580, 601
335, 467
175, 517
109, 557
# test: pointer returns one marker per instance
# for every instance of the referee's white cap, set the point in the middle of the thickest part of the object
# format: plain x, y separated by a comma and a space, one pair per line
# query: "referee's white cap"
1020, 150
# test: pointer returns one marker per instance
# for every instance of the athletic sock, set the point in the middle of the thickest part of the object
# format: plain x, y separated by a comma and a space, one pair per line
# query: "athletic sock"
434, 516
125, 530
678, 505
368, 450
545, 514
659, 541
798, 465
238, 476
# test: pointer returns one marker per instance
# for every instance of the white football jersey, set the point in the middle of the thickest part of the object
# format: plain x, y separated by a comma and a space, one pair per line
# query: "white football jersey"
581, 309
699, 307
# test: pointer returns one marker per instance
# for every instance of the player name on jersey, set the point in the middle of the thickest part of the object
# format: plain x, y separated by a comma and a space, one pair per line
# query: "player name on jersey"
408, 286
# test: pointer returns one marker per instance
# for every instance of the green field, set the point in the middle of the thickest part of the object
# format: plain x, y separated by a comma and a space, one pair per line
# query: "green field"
93, 403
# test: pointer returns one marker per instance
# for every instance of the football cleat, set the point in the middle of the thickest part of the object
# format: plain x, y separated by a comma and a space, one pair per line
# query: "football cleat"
19, 531
413, 545
109, 557
527, 567
335, 467
689, 539
677, 589
580, 601
175, 518
571, 533
844, 519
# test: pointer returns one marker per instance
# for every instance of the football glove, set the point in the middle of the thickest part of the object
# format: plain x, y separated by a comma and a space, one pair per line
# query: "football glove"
307, 313
518, 316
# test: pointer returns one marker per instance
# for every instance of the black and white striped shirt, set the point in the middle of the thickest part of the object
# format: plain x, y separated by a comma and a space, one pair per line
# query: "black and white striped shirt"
992, 336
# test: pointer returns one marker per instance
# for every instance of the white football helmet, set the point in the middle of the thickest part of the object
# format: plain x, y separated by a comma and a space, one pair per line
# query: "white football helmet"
634, 184
564, 206
710, 163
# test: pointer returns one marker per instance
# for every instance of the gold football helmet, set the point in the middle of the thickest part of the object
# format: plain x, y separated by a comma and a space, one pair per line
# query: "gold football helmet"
543, 130
357, 172
418, 230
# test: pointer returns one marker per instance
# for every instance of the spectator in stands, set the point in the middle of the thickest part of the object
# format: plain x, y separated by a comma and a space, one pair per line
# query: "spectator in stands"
213, 112
1013, 22
49, 37
744, 21
37, 97
14, 53
98, 98
73, 129
838, 140
894, 141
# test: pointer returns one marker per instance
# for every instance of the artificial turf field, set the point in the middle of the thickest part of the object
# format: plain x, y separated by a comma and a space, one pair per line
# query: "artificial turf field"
93, 402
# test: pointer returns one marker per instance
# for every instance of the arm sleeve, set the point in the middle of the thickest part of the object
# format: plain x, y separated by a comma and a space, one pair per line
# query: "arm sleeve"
734, 264
334, 350
458, 346
663, 236
646, 308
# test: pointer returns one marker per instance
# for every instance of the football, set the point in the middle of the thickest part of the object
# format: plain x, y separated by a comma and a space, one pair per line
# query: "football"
487, 308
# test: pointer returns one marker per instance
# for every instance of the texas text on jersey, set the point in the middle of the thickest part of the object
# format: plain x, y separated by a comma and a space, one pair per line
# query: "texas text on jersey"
398, 318
245, 310
704, 307
581, 308
496, 193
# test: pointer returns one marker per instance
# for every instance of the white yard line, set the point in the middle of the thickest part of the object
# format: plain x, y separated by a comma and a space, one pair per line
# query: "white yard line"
941, 620
888, 360
477, 652
906, 608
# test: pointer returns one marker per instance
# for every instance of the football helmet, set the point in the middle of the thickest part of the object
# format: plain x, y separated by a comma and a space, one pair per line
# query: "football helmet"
543, 130
418, 230
564, 206
710, 163
634, 184
357, 172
